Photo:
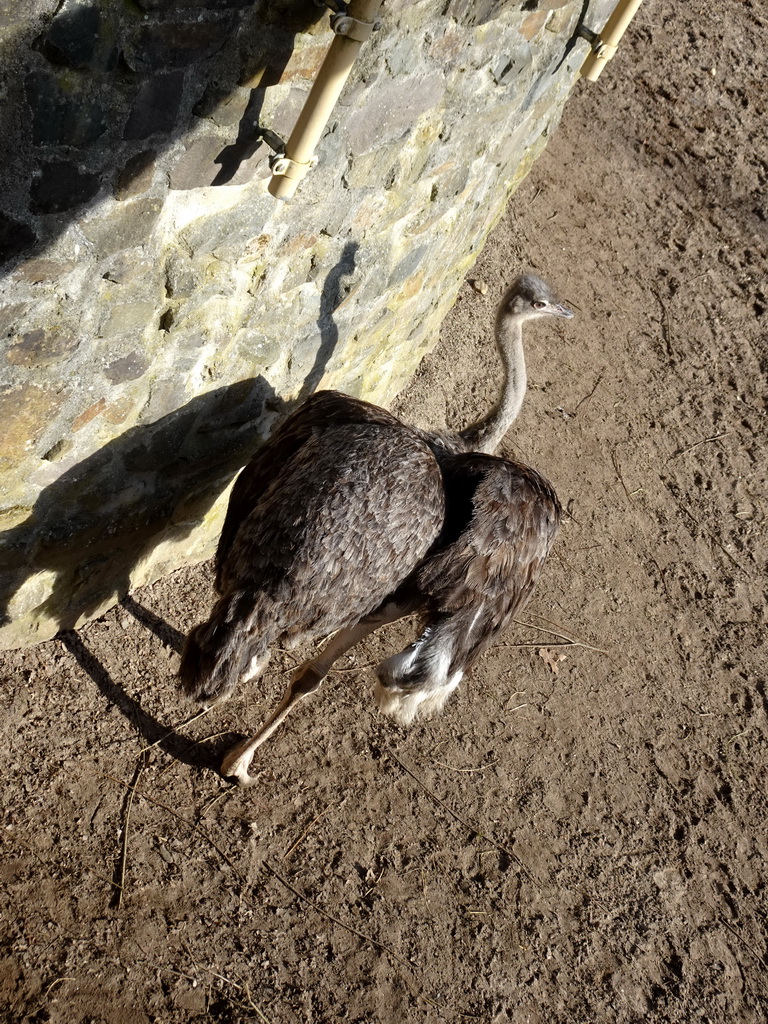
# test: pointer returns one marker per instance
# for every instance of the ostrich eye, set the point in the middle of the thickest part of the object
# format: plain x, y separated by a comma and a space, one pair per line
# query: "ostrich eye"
539, 304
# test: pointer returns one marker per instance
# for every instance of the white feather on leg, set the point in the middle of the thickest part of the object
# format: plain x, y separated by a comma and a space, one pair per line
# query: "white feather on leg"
417, 681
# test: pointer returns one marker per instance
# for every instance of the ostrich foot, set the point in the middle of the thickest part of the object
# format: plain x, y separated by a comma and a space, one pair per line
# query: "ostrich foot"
236, 762
306, 680
213, 702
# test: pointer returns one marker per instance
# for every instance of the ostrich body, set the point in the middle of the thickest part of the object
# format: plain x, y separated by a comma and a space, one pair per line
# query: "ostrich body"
347, 519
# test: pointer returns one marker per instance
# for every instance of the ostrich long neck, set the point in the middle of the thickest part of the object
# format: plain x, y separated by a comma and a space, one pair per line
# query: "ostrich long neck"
487, 433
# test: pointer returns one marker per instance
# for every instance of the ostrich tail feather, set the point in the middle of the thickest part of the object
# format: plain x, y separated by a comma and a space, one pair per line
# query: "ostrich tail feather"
226, 649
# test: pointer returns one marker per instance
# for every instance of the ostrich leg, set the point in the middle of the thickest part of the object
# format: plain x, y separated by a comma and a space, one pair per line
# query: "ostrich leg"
305, 680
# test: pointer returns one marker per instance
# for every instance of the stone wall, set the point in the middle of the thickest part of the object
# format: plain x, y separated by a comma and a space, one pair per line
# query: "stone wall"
160, 309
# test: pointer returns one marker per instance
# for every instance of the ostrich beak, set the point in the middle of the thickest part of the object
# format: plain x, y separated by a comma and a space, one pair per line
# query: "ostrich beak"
559, 310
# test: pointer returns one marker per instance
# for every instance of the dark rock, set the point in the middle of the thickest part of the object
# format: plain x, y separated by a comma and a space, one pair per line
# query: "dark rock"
62, 119
130, 225
160, 447
41, 348
240, 162
164, 6
288, 110
156, 106
78, 38
9, 317
136, 176
25, 412
35, 271
129, 367
177, 44
62, 185
15, 237
387, 111
224, 107
407, 266
199, 164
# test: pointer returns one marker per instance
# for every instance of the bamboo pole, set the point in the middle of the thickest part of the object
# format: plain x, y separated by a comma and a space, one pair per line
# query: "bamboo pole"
605, 43
299, 155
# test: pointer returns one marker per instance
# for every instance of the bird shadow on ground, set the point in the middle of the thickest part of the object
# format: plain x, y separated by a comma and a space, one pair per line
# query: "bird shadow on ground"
171, 637
153, 732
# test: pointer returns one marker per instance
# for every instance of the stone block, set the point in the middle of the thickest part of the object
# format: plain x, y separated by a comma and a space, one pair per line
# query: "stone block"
11, 315
62, 185
133, 270
304, 61
25, 412
200, 164
224, 107
124, 318
282, 119
386, 111
532, 24
129, 367
120, 409
470, 12
180, 277
241, 162
166, 396
160, 45
507, 67
129, 225
37, 271
15, 237
79, 37
41, 347
156, 106
136, 176
86, 416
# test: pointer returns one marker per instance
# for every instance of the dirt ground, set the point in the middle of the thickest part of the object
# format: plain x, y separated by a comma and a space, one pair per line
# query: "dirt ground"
582, 836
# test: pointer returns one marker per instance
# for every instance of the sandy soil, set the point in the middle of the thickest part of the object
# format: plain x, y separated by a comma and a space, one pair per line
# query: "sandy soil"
581, 837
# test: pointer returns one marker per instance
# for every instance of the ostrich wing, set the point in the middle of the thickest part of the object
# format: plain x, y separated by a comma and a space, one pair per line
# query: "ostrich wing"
501, 521
353, 512
321, 410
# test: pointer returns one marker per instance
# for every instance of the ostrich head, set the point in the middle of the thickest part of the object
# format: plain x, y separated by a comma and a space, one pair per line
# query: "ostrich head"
527, 298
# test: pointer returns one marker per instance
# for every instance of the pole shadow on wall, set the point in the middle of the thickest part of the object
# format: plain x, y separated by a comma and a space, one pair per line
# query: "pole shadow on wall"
338, 282
97, 98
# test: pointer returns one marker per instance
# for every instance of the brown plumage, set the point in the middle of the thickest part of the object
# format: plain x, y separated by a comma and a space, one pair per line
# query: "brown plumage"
347, 518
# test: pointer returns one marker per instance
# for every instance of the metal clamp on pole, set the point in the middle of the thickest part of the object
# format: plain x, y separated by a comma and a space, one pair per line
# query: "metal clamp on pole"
280, 164
604, 44
360, 31
355, 26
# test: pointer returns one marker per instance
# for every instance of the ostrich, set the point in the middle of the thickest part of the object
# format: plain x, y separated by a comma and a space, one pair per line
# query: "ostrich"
347, 519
